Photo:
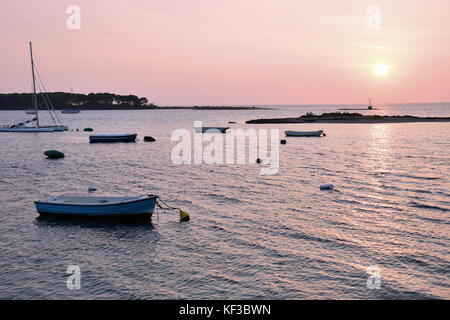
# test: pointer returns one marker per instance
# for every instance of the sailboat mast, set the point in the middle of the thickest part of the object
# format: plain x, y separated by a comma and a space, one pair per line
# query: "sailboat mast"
34, 87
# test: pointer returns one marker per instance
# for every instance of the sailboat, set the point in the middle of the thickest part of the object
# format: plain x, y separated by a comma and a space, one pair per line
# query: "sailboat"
23, 126
370, 107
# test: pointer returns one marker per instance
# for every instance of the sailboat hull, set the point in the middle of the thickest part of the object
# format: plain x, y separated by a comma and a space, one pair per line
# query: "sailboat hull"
28, 129
58, 128
35, 129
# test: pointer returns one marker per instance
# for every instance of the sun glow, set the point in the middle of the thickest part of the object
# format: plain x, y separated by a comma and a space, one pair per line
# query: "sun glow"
381, 69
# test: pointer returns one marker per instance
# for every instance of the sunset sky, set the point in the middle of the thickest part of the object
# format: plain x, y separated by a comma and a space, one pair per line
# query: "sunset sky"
216, 52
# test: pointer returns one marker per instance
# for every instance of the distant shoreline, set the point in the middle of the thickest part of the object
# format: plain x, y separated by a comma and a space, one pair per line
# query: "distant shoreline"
338, 117
212, 108
98, 101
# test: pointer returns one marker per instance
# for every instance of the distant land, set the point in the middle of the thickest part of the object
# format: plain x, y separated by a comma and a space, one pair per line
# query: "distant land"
95, 101
345, 117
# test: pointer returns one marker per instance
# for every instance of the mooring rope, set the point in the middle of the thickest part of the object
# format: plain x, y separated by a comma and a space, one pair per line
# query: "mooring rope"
184, 216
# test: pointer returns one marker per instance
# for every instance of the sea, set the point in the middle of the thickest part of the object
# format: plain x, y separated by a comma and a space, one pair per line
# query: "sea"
382, 233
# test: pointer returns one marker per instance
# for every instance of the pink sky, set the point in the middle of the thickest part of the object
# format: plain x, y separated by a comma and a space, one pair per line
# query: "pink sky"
216, 52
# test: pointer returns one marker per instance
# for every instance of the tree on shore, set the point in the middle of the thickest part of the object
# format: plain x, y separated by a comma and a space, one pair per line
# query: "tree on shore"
63, 100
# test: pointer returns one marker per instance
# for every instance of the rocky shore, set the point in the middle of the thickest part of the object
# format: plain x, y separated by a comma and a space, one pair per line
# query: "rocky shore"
345, 117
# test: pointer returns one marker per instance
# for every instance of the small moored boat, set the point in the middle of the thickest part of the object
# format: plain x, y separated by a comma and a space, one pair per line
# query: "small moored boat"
70, 111
130, 137
102, 207
211, 129
304, 133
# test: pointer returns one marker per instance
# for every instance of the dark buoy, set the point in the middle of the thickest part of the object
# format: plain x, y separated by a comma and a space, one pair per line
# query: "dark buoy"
149, 139
54, 154
88, 129
184, 216
283, 141
258, 160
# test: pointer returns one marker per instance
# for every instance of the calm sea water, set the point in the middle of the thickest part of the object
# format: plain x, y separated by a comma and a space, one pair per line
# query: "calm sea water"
250, 236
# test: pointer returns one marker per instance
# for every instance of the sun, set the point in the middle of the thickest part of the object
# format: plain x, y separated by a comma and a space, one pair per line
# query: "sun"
381, 69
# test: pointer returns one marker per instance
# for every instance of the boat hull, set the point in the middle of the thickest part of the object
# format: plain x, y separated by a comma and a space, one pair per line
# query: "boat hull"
59, 128
135, 208
303, 133
112, 138
28, 129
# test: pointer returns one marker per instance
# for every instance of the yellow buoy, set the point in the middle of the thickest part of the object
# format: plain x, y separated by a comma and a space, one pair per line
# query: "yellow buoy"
183, 215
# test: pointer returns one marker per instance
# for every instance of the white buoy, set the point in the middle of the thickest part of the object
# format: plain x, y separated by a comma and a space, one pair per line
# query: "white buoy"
91, 188
327, 187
